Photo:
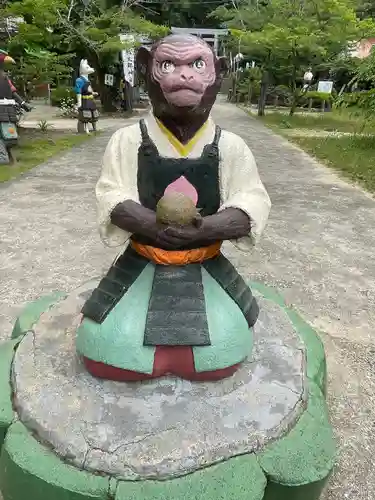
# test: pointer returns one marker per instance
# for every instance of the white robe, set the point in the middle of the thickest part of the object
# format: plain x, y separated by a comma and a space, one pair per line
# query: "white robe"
240, 184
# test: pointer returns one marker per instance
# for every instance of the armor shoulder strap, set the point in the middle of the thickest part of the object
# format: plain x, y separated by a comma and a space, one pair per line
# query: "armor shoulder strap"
144, 131
217, 136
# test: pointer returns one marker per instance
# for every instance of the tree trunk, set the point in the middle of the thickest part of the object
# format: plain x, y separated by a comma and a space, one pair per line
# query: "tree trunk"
342, 90
234, 89
263, 93
294, 104
249, 94
295, 98
105, 94
295, 91
348, 85
127, 97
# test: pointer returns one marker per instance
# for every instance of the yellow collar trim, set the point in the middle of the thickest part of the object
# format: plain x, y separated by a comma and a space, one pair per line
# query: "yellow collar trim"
183, 149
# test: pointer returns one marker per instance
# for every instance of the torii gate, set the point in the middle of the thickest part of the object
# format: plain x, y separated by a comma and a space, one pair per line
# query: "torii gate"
211, 36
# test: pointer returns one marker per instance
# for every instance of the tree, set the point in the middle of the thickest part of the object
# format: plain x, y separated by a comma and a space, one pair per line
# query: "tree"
42, 66
181, 13
69, 30
32, 43
287, 36
366, 9
93, 32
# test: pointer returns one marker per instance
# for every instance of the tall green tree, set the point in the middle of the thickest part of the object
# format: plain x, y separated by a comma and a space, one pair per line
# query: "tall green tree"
287, 36
65, 31
93, 31
181, 13
366, 8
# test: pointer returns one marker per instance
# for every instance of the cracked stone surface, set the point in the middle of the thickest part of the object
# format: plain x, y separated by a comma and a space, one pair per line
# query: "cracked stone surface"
163, 428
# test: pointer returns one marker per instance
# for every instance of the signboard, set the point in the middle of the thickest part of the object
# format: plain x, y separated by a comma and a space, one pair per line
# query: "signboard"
128, 56
325, 86
109, 80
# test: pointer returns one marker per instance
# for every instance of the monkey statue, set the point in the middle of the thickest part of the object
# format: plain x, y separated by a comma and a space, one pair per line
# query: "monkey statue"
9, 100
172, 303
86, 106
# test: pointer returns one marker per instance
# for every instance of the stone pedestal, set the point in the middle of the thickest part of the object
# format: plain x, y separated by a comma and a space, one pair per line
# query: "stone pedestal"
264, 433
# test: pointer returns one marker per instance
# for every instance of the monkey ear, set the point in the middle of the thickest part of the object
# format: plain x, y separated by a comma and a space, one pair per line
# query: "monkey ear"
222, 66
143, 60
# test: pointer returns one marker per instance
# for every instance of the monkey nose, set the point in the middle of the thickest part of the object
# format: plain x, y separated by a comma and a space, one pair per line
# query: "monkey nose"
186, 75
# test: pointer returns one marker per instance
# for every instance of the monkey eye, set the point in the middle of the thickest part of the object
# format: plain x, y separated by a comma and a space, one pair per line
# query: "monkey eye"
167, 67
199, 64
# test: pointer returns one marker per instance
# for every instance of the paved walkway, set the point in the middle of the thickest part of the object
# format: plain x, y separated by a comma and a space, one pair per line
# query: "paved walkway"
318, 251
52, 115
70, 125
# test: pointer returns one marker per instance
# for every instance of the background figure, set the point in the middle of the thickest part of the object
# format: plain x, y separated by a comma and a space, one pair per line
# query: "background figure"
10, 103
87, 110
126, 96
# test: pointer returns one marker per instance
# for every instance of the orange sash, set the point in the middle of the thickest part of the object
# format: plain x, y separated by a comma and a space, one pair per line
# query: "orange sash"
177, 257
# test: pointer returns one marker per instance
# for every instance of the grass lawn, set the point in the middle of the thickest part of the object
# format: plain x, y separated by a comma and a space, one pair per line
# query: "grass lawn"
352, 155
334, 121
36, 146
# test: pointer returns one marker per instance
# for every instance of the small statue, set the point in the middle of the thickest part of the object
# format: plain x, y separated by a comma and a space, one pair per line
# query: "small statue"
86, 106
174, 187
307, 79
10, 101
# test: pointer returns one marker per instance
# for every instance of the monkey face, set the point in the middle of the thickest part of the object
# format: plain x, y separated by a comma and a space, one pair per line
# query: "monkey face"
184, 71
182, 75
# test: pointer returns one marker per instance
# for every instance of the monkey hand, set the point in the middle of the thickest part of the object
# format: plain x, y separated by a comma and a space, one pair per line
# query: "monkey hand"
228, 224
178, 236
136, 219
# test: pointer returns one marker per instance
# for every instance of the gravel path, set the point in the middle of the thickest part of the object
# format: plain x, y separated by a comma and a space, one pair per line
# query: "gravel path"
318, 250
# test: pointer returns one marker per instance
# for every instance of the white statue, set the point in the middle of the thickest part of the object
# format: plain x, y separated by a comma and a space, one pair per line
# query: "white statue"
87, 110
307, 79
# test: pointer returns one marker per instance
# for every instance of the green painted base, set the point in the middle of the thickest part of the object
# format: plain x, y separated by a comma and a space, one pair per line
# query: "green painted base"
32, 312
295, 467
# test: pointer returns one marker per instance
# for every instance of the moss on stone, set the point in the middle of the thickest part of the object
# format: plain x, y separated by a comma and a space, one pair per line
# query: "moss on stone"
316, 360
240, 478
30, 471
7, 349
295, 467
307, 454
311, 491
32, 312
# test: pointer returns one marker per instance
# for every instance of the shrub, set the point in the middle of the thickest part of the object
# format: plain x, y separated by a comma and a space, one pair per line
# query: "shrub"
44, 126
351, 99
68, 107
59, 94
243, 90
281, 94
317, 96
249, 78
366, 101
